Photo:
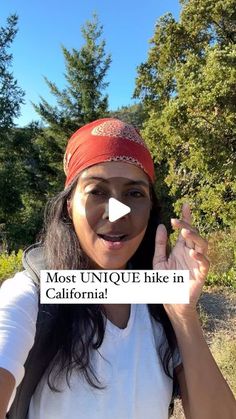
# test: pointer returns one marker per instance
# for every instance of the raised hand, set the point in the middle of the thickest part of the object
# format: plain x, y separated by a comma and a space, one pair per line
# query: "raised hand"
188, 253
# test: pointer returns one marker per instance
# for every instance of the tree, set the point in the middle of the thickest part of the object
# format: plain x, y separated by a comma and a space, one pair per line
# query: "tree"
25, 198
187, 87
133, 114
11, 97
80, 102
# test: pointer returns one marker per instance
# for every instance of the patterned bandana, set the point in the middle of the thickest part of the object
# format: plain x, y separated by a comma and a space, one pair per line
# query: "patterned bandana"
106, 140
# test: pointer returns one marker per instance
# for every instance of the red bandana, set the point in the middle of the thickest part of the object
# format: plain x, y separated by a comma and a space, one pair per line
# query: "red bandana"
105, 140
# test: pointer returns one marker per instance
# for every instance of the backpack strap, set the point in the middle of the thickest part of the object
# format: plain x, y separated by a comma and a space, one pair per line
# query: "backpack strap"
33, 261
43, 350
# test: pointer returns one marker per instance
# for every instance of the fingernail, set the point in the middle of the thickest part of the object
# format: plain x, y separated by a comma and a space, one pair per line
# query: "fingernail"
186, 231
175, 220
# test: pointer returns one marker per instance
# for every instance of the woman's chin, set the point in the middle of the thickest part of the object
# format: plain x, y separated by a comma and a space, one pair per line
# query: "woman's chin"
109, 265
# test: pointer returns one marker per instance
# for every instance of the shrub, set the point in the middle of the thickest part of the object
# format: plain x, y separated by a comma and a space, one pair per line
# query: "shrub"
10, 264
222, 251
222, 256
227, 279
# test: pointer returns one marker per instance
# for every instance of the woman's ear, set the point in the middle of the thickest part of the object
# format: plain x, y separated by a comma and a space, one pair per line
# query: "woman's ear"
69, 208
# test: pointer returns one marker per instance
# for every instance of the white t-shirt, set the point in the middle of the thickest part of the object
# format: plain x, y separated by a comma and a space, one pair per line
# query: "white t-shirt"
127, 363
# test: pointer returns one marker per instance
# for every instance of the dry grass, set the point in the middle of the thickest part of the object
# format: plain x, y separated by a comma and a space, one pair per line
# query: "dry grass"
217, 310
224, 351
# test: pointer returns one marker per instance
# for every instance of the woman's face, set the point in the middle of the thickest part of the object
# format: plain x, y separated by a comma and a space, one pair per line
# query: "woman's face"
99, 237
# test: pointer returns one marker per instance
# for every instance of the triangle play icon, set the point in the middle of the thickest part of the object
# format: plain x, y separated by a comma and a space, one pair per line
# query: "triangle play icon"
116, 209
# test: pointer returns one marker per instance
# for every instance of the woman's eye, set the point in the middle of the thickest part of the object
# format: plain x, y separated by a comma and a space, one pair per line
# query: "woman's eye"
136, 194
97, 192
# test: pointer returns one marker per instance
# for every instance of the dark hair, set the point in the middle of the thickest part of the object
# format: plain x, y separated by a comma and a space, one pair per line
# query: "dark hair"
79, 328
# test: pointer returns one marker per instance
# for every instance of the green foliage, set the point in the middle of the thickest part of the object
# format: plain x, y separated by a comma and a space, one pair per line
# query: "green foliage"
81, 101
133, 114
23, 189
222, 256
226, 279
10, 264
11, 96
31, 158
188, 89
222, 251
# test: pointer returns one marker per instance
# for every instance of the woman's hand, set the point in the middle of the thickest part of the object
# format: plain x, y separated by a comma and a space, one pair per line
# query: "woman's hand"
188, 253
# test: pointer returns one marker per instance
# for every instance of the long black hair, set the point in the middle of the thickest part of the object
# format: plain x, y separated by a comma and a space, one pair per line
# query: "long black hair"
79, 328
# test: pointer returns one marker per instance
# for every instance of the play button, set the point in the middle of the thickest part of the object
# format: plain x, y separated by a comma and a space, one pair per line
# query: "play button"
116, 209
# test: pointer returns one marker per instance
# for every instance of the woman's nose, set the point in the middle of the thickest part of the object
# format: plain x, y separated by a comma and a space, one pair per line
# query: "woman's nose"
106, 211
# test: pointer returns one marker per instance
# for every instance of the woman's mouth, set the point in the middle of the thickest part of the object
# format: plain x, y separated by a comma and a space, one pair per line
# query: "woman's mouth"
113, 241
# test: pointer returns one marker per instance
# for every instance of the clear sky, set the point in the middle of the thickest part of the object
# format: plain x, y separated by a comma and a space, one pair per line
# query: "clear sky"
46, 25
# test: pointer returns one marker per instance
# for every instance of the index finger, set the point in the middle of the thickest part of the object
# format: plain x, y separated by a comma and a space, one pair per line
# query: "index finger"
160, 245
186, 213
187, 217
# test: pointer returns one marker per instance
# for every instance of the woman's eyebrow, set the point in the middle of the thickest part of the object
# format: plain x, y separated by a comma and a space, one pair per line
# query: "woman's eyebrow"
131, 182
137, 182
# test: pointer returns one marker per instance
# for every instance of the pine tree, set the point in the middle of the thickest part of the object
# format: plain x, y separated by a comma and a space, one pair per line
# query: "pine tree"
29, 187
81, 101
188, 89
11, 97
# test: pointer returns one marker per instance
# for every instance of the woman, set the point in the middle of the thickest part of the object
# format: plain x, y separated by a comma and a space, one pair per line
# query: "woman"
113, 360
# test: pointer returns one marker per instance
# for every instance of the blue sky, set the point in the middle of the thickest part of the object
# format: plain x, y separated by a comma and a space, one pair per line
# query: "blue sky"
46, 25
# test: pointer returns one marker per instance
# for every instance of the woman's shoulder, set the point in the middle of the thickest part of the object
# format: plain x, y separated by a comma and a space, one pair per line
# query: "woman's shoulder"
18, 315
19, 289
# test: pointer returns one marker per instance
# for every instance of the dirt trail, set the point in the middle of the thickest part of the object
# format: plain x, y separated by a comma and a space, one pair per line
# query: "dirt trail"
218, 313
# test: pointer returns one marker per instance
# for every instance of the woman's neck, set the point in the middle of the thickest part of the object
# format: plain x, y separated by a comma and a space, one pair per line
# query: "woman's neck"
118, 314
